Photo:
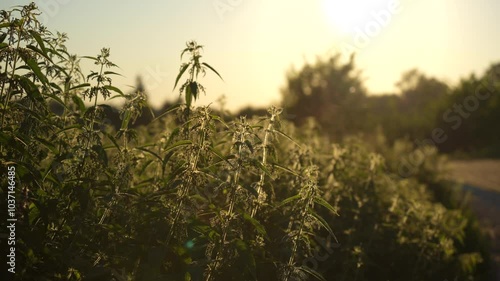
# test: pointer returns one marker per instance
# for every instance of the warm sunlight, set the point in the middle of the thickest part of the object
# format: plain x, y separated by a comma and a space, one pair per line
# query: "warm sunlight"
329, 140
346, 16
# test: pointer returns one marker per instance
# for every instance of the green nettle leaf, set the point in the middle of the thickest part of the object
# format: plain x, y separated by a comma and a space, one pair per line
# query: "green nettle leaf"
249, 145
150, 152
112, 73
79, 102
194, 89
39, 40
325, 204
184, 67
40, 52
313, 273
33, 65
211, 68
258, 226
90, 58
114, 89
48, 145
279, 166
177, 145
84, 85
322, 222
126, 120
30, 88
289, 200
56, 87
112, 139
101, 153
5, 24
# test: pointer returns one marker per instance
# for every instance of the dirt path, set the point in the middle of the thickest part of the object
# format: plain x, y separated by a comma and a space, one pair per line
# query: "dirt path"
482, 179
481, 173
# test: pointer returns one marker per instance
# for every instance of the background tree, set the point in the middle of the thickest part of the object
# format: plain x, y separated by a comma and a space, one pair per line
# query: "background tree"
474, 132
330, 92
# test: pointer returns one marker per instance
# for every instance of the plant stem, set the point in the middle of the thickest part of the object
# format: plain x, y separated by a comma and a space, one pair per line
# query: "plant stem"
264, 159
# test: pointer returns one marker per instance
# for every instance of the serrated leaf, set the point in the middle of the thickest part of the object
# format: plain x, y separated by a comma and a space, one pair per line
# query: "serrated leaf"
79, 103
36, 69
218, 118
249, 145
111, 73
261, 167
211, 68
57, 99
286, 136
184, 51
312, 272
69, 128
79, 86
218, 154
38, 51
177, 145
289, 199
325, 204
198, 198
90, 58
5, 24
166, 112
249, 259
181, 72
101, 153
126, 120
39, 40
150, 152
30, 88
47, 144
279, 166
259, 227
114, 89
112, 139
322, 222
55, 86
250, 189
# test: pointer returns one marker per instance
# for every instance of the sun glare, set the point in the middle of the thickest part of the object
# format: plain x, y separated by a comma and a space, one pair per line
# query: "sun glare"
345, 15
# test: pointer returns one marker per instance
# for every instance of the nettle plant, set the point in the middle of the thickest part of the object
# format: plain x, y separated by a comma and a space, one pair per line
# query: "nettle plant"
194, 196
99, 204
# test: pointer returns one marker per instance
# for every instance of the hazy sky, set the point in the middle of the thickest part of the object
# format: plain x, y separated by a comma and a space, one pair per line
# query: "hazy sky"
252, 43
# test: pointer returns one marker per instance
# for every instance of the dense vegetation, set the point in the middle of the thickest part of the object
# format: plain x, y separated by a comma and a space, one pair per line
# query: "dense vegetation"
193, 196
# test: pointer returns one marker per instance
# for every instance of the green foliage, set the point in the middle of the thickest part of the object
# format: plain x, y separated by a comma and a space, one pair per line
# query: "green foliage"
471, 131
332, 93
195, 197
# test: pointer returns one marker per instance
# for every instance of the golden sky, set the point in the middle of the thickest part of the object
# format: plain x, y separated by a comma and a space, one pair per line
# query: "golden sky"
252, 43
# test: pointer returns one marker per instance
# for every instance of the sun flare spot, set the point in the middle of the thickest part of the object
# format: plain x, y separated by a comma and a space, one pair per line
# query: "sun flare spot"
345, 15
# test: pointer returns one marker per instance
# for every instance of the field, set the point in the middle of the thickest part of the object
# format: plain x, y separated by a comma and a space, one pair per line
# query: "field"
199, 193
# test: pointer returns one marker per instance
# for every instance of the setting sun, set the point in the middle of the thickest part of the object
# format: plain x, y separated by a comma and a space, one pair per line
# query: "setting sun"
347, 15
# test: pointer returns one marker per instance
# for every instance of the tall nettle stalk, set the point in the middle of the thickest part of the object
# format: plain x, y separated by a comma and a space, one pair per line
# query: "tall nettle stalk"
269, 131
